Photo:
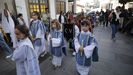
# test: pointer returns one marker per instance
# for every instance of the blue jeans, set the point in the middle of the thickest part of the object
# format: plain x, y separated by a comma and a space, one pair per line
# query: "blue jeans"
4, 46
114, 30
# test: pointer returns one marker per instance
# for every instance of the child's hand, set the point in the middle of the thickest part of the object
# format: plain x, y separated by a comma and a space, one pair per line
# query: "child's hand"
47, 33
81, 49
32, 38
50, 38
13, 49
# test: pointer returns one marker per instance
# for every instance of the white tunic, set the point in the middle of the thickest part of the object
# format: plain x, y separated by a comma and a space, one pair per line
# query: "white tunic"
88, 50
38, 30
26, 58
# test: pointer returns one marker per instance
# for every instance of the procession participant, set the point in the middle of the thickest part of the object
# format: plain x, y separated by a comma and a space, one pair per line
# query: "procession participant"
24, 55
84, 46
56, 44
37, 29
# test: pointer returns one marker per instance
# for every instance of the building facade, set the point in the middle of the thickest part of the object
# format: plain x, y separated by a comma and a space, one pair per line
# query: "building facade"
10, 4
112, 4
26, 7
76, 6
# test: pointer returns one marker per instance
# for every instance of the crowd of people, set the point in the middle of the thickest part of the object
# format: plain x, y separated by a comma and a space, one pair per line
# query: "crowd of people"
25, 44
118, 19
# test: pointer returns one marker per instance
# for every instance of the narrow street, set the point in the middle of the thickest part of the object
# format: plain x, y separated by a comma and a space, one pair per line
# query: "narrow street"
39, 18
115, 58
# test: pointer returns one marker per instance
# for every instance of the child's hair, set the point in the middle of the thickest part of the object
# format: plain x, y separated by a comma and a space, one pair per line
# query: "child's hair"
37, 14
19, 15
57, 24
69, 21
23, 29
87, 23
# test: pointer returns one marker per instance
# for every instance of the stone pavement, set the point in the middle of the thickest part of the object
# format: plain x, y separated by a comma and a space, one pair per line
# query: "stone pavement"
116, 58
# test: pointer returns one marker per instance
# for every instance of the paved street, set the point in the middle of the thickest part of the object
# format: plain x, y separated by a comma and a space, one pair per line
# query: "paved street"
116, 58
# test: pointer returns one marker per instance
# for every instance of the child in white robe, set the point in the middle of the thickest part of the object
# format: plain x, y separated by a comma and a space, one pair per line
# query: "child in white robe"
24, 55
84, 47
38, 30
56, 43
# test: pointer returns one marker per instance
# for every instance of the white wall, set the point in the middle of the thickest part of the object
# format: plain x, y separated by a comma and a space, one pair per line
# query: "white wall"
52, 9
70, 6
79, 9
67, 6
21, 8
129, 5
115, 4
